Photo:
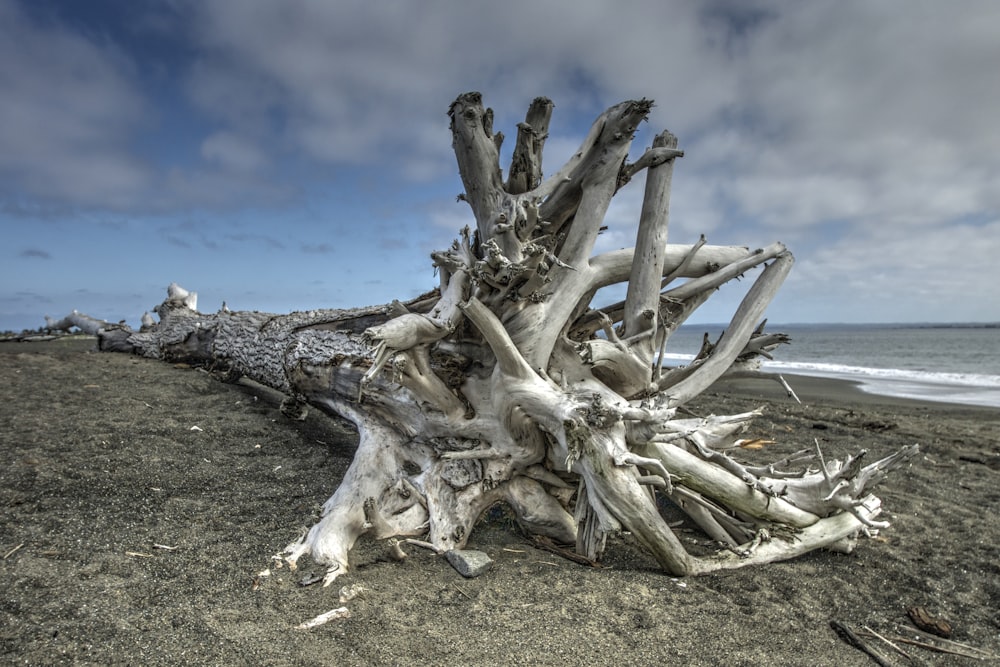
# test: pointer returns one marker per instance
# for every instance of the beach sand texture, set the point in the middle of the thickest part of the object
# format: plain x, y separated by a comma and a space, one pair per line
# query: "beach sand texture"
100, 468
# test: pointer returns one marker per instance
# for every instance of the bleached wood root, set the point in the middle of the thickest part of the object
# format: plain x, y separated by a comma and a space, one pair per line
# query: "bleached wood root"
736, 336
374, 483
85, 323
840, 485
538, 512
776, 547
506, 383
618, 501
725, 488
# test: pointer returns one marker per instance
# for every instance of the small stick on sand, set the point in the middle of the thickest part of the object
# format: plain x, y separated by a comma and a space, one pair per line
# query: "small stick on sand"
940, 645
868, 632
326, 617
854, 640
12, 551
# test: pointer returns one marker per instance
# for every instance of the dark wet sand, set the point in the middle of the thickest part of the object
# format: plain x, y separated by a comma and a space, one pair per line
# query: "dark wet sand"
99, 464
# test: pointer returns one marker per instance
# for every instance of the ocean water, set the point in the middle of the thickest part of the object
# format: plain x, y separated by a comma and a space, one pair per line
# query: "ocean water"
949, 363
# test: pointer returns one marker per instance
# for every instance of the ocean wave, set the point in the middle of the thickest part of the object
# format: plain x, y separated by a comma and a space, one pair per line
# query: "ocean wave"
965, 388
862, 372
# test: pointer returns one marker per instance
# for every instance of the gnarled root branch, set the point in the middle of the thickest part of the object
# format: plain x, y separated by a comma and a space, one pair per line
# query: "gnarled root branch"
840, 486
824, 532
373, 496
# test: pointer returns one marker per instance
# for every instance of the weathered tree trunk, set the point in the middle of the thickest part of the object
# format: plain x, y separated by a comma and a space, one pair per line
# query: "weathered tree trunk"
506, 384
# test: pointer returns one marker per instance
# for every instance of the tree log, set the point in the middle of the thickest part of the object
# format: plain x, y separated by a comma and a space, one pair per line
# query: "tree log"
507, 383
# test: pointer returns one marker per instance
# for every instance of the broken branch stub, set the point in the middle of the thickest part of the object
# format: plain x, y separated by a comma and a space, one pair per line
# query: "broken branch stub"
507, 383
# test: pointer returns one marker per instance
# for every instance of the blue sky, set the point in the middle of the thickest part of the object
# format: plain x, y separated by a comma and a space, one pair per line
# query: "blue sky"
293, 154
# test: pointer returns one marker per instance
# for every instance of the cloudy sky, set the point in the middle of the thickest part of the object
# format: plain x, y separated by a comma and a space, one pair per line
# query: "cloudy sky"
292, 154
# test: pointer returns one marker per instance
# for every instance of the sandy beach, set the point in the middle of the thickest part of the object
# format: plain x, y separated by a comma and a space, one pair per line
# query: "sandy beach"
130, 537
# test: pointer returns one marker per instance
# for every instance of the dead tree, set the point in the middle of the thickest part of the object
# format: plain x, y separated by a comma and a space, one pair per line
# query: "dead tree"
507, 384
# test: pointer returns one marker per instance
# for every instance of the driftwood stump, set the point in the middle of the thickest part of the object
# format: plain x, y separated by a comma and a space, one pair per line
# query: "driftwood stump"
508, 384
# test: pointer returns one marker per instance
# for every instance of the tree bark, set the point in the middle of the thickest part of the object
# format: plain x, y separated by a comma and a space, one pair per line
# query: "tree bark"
507, 384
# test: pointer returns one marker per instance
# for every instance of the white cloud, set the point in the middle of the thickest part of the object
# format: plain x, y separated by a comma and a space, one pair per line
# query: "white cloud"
233, 152
876, 274
874, 111
793, 114
357, 81
66, 108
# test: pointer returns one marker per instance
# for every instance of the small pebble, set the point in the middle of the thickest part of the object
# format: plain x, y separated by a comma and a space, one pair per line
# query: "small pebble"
468, 562
310, 579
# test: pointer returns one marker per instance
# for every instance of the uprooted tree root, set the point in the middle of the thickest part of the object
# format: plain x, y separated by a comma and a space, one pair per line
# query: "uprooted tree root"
507, 383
